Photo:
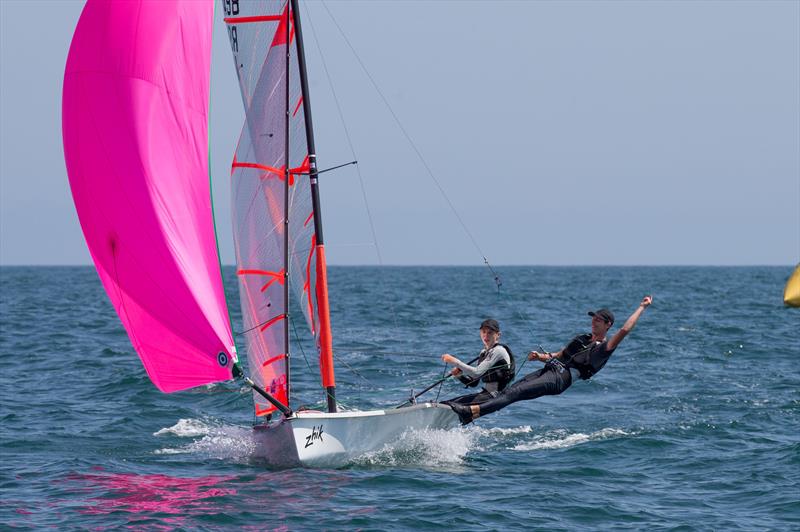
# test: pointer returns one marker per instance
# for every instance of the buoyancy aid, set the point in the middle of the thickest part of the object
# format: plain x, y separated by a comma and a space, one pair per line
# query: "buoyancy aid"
578, 355
501, 372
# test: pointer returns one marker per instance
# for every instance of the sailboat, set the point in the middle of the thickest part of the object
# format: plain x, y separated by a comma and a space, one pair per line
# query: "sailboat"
135, 130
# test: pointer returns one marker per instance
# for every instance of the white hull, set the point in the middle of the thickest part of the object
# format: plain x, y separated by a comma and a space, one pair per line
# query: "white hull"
319, 439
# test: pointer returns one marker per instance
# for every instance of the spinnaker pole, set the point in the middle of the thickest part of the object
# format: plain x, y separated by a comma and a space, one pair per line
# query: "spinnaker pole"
323, 307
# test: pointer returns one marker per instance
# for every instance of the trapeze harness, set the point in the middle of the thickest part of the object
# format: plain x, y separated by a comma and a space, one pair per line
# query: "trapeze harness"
578, 360
501, 372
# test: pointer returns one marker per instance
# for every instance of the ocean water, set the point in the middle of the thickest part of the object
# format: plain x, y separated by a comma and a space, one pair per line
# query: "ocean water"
694, 424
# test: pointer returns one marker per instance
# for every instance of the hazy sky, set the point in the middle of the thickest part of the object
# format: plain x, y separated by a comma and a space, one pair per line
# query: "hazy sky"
562, 132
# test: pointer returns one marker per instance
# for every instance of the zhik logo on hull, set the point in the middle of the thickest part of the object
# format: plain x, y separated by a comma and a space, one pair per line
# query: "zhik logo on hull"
316, 434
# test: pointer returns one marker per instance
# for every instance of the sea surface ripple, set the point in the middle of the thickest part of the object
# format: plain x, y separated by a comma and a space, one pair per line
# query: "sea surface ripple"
694, 424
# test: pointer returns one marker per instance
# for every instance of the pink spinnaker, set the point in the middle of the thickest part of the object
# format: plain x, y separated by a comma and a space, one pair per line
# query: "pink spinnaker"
135, 127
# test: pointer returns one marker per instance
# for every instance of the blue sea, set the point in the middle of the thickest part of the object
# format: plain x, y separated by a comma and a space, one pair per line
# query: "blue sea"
694, 424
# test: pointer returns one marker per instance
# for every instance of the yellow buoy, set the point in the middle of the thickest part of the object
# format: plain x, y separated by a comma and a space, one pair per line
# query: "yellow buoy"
791, 294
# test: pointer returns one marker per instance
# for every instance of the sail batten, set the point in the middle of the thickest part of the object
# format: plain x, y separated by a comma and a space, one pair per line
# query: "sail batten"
258, 179
271, 189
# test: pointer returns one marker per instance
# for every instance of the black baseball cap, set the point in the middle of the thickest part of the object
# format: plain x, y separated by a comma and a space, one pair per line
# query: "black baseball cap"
490, 324
604, 314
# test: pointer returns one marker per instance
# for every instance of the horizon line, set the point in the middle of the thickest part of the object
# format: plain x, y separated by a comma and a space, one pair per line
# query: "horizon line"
678, 265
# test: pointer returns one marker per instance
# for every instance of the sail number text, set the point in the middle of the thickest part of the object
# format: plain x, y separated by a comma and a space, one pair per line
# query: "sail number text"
231, 8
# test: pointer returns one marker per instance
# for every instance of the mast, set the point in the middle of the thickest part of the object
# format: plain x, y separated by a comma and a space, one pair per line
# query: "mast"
287, 176
325, 340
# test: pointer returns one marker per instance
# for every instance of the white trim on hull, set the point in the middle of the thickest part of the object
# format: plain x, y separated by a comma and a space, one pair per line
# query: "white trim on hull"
320, 439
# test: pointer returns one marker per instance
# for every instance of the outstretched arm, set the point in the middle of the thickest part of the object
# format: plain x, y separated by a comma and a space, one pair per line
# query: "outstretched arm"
630, 323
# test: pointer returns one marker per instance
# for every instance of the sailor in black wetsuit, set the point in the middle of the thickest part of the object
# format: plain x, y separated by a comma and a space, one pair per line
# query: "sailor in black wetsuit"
584, 355
495, 368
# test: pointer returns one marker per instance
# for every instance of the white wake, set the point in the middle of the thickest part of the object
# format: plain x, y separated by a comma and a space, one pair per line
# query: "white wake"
560, 439
213, 439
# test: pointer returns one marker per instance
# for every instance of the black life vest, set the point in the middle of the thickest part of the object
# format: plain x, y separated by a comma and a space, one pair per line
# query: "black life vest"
578, 355
500, 372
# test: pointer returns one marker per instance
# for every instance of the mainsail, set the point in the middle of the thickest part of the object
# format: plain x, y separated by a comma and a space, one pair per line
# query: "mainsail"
276, 245
135, 128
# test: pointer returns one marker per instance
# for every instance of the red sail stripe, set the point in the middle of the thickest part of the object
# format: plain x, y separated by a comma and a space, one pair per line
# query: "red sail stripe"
280, 33
275, 276
273, 321
297, 108
273, 359
308, 219
279, 172
270, 283
303, 168
247, 20
258, 272
279, 276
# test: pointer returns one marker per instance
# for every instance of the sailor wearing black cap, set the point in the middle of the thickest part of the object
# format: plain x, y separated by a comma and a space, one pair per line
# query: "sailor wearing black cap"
582, 357
495, 369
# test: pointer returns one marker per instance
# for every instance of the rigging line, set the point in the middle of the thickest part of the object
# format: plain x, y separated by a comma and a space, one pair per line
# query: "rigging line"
327, 169
525, 320
235, 399
353, 152
441, 381
353, 245
285, 315
302, 351
413, 146
346, 133
344, 406
519, 369
371, 384
438, 391
337, 167
304, 252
